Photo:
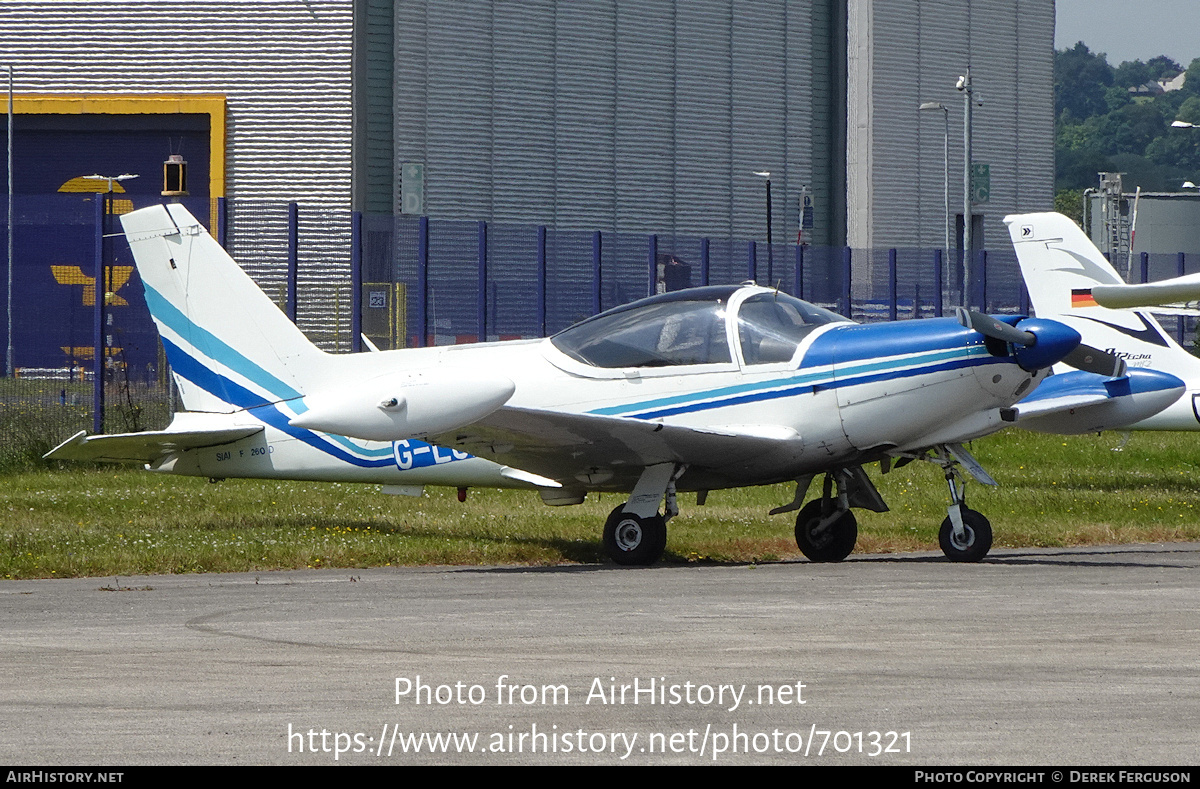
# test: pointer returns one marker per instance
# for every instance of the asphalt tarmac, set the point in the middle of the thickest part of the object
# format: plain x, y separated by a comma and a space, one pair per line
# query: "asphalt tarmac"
1033, 657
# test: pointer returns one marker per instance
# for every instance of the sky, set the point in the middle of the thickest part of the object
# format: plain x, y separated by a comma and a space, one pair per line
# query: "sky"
1131, 29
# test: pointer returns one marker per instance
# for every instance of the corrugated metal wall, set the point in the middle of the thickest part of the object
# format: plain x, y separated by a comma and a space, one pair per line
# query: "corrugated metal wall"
592, 114
283, 65
909, 54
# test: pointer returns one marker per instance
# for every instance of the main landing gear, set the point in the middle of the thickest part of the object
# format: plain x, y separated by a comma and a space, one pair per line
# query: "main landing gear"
826, 529
634, 540
635, 533
825, 536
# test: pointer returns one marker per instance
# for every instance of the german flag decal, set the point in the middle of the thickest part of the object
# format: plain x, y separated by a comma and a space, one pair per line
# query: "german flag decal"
1082, 297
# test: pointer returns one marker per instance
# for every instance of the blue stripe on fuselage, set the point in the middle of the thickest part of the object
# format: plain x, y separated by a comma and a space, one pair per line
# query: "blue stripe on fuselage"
865, 354
236, 395
214, 348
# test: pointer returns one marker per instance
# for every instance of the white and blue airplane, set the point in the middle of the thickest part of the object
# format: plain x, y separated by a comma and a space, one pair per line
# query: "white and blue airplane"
696, 390
1071, 282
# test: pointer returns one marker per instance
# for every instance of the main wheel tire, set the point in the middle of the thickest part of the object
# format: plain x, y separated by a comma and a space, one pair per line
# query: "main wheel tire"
831, 545
977, 541
633, 540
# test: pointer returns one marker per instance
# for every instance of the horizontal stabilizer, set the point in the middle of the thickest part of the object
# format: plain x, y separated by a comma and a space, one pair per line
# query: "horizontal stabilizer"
147, 447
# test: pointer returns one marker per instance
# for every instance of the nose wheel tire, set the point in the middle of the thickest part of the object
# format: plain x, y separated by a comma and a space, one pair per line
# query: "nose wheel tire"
974, 545
831, 544
632, 540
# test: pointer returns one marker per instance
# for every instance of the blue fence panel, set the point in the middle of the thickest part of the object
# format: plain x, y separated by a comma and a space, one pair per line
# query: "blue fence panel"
569, 278
512, 279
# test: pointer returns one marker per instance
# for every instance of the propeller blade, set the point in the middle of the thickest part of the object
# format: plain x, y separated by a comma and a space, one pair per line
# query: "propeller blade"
1094, 360
1040, 343
990, 327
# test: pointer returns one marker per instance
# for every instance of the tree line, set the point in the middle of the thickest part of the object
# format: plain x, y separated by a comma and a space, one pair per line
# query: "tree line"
1101, 125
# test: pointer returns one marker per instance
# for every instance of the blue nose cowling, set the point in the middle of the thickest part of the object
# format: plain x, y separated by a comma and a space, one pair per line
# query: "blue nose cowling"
1054, 341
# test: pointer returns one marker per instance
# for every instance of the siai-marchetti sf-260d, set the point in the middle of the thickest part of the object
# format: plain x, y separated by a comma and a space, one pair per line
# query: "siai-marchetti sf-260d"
696, 390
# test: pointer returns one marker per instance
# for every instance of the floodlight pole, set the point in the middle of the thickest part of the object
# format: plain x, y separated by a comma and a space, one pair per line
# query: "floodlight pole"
9, 370
965, 87
103, 281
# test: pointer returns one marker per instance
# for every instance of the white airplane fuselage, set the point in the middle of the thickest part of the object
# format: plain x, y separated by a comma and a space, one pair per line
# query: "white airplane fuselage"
845, 395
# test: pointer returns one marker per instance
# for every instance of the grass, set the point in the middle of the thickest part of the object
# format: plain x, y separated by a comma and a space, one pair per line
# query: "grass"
1055, 491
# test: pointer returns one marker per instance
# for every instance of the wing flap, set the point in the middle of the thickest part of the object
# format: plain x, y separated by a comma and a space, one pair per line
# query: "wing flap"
147, 447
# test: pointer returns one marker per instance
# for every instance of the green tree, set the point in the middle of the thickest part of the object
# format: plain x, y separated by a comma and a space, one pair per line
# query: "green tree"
1191, 82
1190, 110
1131, 74
1080, 80
1162, 67
1069, 202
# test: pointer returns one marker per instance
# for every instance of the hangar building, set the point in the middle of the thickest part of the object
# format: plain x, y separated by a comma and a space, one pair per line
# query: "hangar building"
625, 115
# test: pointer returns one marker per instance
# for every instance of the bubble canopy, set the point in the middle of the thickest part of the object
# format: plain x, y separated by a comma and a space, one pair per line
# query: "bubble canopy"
695, 327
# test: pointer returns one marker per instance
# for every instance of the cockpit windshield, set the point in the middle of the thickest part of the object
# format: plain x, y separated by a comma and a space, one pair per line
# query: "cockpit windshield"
653, 335
677, 330
771, 326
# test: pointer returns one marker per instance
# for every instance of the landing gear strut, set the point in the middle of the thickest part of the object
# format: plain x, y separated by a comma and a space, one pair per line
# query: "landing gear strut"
965, 535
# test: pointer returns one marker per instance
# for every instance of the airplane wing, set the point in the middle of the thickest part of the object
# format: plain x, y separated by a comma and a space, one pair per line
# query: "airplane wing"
573, 448
145, 447
1180, 290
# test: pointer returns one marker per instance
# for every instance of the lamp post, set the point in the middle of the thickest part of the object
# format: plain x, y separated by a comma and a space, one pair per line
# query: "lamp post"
937, 105
770, 253
103, 282
964, 86
108, 206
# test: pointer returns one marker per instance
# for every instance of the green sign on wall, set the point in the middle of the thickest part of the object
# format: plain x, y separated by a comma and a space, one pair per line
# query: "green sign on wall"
981, 183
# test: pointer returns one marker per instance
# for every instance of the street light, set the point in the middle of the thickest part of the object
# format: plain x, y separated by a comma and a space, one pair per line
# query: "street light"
111, 179
770, 253
964, 86
937, 105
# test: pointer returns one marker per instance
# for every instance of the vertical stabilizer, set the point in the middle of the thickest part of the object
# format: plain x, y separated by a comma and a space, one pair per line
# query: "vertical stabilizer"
1061, 266
229, 346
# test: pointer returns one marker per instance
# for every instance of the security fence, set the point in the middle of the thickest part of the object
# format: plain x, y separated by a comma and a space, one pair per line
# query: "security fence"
401, 281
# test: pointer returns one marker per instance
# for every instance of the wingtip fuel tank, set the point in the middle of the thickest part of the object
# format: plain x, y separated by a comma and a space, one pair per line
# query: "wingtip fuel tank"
404, 405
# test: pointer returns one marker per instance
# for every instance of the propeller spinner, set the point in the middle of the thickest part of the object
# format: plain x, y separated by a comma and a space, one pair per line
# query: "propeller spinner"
1039, 343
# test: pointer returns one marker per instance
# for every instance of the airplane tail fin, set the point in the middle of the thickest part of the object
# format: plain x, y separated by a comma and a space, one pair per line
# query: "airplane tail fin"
229, 346
1061, 266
